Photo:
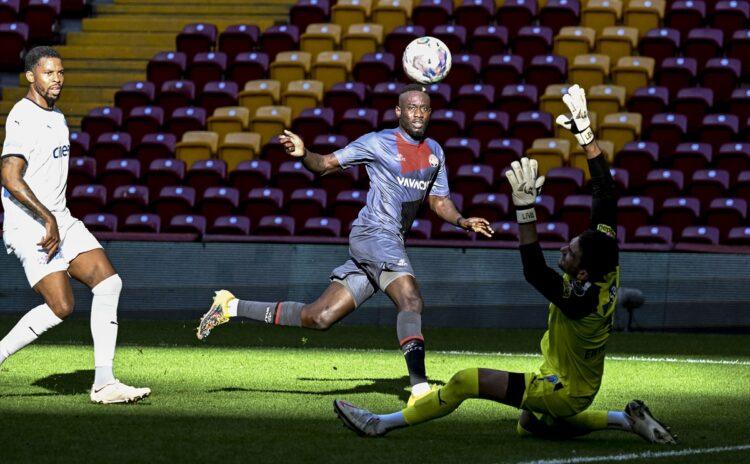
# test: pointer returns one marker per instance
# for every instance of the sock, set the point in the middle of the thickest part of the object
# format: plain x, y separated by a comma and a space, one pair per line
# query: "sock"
281, 313
233, 307
588, 421
420, 389
438, 403
104, 327
409, 331
33, 324
391, 421
618, 420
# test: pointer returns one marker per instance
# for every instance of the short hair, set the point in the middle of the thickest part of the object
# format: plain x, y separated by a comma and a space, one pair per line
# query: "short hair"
599, 254
413, 87
37, 53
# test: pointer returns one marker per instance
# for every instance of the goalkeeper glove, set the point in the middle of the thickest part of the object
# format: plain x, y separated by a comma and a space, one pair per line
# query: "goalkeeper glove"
577, 121
525, 186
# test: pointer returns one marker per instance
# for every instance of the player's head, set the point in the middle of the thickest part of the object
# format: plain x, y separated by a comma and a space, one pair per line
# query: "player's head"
590, 256
44, 71
413, 110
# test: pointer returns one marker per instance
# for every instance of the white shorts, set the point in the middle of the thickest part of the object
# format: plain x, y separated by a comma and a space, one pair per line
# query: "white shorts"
75, 239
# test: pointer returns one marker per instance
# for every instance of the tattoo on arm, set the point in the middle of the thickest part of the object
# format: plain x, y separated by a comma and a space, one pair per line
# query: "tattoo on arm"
13, 169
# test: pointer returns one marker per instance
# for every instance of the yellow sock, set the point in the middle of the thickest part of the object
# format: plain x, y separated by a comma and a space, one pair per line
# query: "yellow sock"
443, 401
589, 420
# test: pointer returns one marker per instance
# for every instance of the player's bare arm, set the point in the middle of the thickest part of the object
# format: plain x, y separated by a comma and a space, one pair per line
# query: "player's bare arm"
446, 210
319, 164
13, 168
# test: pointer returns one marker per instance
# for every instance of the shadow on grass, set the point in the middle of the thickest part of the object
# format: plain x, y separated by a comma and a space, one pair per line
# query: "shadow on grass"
67, 383
387, 386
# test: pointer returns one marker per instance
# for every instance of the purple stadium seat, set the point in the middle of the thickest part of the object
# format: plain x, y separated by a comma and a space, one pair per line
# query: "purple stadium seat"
127, 200
327, 143
491, 206
693, 102
621, 178
275, 153
662, 184
79, 144
726, 213
166, 66
473, 98
668, 130
277, 39
42, 17
275, 225
321, 227
238, 38
100, 222
739, 47
514, 14
557, 14
704, 235
176, 94
306, 12
421, 228
739, 104
460, 151
346, 179
9, 10
465, 69
87, 199
206, 173
82, 170
450, 232
703, 44
385, 96
173, 200
313, 121
470, 180
429, 14
504, 231
503, 70
708, 184
722, 75
357, 122
307, 203
134, 93
633, 212
689, 157
155, 146
677, 73
576, 212
100, 120
501, 152
397, 40
248, 66
532, 125
445, 124
486, 41
685, 15
14, 36
733, 158
553, 232
347, 205
187, 118
218, 201
473, 14
741, 186
648, 101
454, 36
545, 207
293, 175
142, 223
119, 172
637, 158
440, 95
162, 173
515, 99
110, 146
546, 70
196, 38
345, 95
563, 182
207, 67
660, 43
187, 224
218, 94
653, 234
738, 236
730, 16
532, 41
260, 202
143, 120
250, 174
718, 129
231, 225
374, 68
488, 125
679, 212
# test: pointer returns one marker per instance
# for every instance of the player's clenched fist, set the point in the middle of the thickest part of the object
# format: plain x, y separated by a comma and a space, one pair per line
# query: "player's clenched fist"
293, 144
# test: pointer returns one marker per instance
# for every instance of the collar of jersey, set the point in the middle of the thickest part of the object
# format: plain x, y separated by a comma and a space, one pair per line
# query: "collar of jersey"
38, 106
407, 137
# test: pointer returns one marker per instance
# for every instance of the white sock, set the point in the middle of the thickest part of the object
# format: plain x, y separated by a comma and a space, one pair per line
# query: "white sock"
104, 327
233, 307
391, 421
618, 420
29, 328
420, 389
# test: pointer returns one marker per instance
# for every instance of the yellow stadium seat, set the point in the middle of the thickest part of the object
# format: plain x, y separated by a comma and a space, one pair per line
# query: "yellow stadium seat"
261, 92
605, 99
644, 15
271, 120
290, 66
573, 41
621, 128
599, 14
633, 72
617, 41
578, 156
300, 95
348, 12
229, 119
197, 145
362, 39
551, 102
549, 153
332, 67
392, 13
589, 70
562, 133
320, 37
238, 147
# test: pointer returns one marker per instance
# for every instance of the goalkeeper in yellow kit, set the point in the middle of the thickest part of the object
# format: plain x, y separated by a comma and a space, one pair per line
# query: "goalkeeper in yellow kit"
553, 400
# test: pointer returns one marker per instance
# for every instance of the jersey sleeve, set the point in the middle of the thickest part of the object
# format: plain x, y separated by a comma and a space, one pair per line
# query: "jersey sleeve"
17, 141
604, 201
440, 186
360, 151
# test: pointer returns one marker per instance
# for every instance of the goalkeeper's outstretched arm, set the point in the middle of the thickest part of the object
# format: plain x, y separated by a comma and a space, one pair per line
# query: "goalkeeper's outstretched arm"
604, 200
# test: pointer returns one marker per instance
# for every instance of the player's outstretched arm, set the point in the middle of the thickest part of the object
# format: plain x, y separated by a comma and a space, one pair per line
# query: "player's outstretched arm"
319, 164
446, 210
13, 168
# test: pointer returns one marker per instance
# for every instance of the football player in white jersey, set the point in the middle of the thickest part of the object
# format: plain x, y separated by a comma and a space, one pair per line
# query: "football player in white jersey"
51, 244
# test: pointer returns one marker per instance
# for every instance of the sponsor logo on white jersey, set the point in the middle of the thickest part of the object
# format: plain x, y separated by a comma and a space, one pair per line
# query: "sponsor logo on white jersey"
413, 183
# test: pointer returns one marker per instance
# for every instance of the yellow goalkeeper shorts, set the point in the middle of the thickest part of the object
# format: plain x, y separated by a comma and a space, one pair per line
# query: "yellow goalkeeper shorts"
548, 395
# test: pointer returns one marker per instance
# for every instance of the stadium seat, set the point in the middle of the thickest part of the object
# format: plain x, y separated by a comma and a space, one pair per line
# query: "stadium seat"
621, 128
617, 42
465, 68
230, 225
600, 14
238, 147
321, 227
397, 40
726, 214
301, 95
275, 226
100, 222
79, 144
634, 212
739, 104
292, 176
551, 102
10, 10
307, 203
693, 102
473, 98
320, 37
332, 67
668, 130
633, 72
197, 145
327, 143
685, 15
127, 200
733, 158
238, 38
573, 41
661, 235
499, 153
557, 232
143, 120
207, 67
357, 122
486, 41
429, 14
166, 66
176, 94
488, 125
708, 184
490, 206
590, 70
134, 93
739, 47
662, 184
187, 224
391, 14
110, 146
440, 96
260, 92
229, 119
604, 100
718, 129
643, 14
576, 213
473, 14
347, 205
730, 16
261, 202
562, 182
290, 66
277, 39
162, 173
269, 121
421, 229
344, 95
677, 73
545, 208
689, 157
557, 14
515, 14
648, 101
546, 70
549, 153
306, 12
503, 70
361, 39
703, 44
313, 121
660, 44
120, 172
679, 212
87, 199
204, 174
186, 119
738, 236
448, 231
460, 151
343, 179
348, 12
248, 66
196, 38
721, 75
532, 41
142, 223
704, 235
155, 146
445, 124
375, 68
504, 231
42, 16
248, 175
82, 170
532, 125
217, 94
453, 36
100, 120
578, 158
515, 99
218, 201
470, 180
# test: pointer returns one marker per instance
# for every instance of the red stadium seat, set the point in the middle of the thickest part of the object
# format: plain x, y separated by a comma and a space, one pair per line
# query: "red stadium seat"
120, 172
704, 235
248, 66
563, 182
694, 102
143, 120
460, 151
473, 14
679, 212
454, 37
488, 125
557, 14
726, 213
637, 158
397, 40
218, 94
348, 204
100, 222
633, 212
13, 37
662, 184
185, 119
275, 225
127, 200
306, 12
79, 144
546, 70
321, 227
374, 68
173, 200
110, 146
304, 204
278, 39
218, 201
445, 124
486, 41
708, 184
532, 125
134, 93
261, 202
162, 173
293, 175
187, 224
313, 121
82, 170
196, 38
576, 213
155, 146
722, 75
503, 70
703, 44
206, 173
166, 66
87, 199
490, 206
515, 14
515, 99
689, 157
470, 180
553, 232
677, 73
532, 41
206, 67
238, 38
733, 158
100, 120
176, 94
660, 43
421, 229
465, 68
473, 98
718, 129
653, 234
231, 225
685, 15
250, 174
357, 122
42, 17
668, 130
343, 96
142, 223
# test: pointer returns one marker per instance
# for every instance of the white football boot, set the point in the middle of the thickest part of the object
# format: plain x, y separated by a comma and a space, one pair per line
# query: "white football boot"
118, 392
645, 425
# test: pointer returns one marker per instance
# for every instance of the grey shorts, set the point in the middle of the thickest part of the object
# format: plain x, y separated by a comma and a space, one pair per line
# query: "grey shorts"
377, 260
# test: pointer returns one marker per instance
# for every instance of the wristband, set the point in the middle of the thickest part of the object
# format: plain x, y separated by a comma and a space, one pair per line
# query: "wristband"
585, 137
524, 216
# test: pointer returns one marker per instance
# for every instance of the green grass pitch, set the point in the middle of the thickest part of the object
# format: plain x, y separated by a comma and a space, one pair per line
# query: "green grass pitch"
255, 394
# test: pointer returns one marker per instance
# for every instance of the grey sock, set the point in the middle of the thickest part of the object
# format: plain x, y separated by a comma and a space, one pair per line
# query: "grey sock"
281, 313
409, 331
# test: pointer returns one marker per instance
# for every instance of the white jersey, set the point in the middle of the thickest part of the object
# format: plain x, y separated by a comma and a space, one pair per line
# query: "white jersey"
41, 137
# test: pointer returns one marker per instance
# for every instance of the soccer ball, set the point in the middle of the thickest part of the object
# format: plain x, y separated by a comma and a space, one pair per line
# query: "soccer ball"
427, 60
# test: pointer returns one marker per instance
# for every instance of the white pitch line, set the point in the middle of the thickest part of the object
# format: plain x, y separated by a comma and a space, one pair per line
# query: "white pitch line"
644, 455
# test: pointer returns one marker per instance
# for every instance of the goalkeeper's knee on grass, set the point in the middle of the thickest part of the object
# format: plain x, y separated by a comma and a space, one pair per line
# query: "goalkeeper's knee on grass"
463, 385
